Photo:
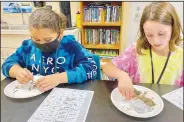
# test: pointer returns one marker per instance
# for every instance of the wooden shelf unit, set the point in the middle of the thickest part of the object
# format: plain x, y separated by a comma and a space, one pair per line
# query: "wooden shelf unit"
102, 46
96, 25
101, 24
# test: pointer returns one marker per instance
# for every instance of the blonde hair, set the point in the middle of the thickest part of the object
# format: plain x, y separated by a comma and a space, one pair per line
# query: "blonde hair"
164, 13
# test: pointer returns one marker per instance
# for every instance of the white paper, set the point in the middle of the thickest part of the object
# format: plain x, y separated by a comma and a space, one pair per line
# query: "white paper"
175, 97
63, 105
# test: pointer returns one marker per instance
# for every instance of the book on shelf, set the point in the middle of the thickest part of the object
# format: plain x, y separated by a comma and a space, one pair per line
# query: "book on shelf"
105, 77
106, 13
102, 36
105, 53
101, 27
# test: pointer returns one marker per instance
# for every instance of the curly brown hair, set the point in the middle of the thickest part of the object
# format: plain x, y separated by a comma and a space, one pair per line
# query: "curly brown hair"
47, 18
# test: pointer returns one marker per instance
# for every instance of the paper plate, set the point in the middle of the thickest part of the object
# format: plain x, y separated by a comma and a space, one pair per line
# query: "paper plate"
126, 105
22, 91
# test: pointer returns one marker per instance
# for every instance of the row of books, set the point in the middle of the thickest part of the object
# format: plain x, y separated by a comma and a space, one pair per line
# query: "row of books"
103, 52
105, 77
106, 13
102, 36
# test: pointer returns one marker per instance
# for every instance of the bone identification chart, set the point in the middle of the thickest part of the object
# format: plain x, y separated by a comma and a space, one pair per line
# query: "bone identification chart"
63, 105
175, 97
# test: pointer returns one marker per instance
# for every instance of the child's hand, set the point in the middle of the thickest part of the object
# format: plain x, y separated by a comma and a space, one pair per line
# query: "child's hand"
23, 76
125, 87
48, 82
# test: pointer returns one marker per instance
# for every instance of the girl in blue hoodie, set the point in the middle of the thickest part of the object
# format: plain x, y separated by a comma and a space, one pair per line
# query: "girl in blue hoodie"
61, 59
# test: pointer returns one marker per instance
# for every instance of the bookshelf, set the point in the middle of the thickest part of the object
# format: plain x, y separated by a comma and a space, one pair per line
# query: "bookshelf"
102, 27
101, 24
101, 46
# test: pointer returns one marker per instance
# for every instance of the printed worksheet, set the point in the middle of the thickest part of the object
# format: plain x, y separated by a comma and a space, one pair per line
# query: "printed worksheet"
63, 105
175, 97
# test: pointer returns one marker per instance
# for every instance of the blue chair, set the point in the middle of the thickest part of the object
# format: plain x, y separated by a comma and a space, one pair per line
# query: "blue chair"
97, 60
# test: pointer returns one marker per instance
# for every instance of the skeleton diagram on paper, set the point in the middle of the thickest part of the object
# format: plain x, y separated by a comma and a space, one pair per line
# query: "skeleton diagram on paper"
63, 105
175, 97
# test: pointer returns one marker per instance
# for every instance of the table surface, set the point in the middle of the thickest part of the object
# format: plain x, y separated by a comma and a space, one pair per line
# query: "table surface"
101, 108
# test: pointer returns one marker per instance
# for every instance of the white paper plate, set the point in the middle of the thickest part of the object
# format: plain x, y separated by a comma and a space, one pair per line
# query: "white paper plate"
125, 105
23, 91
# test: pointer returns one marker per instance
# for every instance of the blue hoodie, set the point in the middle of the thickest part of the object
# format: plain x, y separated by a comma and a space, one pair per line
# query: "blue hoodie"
70, 57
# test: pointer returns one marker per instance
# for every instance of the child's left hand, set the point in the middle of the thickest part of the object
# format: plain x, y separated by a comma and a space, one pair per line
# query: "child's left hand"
48, 82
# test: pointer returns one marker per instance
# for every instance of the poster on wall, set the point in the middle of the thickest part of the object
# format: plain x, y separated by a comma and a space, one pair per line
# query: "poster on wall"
16, 7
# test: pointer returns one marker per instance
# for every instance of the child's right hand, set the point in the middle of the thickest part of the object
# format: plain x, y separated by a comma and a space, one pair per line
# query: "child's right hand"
126, 88
24, 75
